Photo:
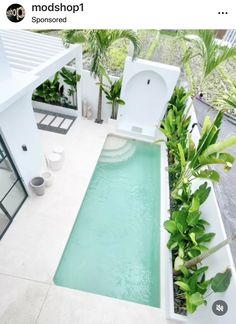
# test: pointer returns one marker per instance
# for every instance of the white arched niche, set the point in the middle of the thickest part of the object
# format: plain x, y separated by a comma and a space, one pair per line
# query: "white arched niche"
146, 89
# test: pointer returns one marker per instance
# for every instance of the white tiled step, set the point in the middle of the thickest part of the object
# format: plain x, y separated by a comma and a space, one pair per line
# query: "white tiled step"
57, 122
39, 116
66, 124
118, 157
47, 120
117, 152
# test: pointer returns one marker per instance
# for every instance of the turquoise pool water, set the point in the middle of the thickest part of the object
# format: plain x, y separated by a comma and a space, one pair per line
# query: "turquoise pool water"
113, 249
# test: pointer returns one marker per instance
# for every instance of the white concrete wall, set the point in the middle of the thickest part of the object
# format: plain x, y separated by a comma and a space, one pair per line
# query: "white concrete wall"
18, 127
5, 68
146, 89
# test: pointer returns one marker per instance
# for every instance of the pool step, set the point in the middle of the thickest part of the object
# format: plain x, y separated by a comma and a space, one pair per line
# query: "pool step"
117, 150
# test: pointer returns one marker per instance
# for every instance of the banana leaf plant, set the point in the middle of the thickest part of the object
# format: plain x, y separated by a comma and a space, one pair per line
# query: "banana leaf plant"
208, 152
50, 91
71, 79
112, 92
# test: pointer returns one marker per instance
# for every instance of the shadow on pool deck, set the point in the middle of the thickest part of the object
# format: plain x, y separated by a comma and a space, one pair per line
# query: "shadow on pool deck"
226, 189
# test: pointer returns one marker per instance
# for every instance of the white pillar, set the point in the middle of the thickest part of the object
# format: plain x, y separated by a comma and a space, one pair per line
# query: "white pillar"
79, 66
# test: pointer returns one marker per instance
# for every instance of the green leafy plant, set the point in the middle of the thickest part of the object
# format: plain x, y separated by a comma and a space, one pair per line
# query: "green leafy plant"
50, 91
98, 42
71, 79
208, 152
112, 93
187, 228
196, 288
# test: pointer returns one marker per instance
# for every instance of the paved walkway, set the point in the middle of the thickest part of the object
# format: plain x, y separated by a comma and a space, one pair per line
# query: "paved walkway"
53, 122
226, 189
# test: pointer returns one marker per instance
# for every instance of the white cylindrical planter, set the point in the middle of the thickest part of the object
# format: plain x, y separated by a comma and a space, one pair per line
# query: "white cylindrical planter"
38, 185
48, 177
59, 150
54, 161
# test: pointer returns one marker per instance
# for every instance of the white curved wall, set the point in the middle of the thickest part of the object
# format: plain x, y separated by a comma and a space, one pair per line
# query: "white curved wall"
146, 89
144, 95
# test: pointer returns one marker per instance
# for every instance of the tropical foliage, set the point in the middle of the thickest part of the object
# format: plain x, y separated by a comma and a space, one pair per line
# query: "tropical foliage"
98, 43
212, 53
50, 91
112, 92
187, 228
53, 92
71, 78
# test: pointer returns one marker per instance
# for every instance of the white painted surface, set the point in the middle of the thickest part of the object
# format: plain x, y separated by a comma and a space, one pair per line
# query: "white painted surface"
55, 109
18, 127
5, 67
50, 55
146, 89
17, 122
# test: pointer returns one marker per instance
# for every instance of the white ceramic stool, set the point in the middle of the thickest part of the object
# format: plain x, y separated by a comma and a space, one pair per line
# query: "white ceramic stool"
59, 150
54, 161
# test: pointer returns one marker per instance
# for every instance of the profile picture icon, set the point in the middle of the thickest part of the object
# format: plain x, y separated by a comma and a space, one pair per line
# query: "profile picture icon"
15, 12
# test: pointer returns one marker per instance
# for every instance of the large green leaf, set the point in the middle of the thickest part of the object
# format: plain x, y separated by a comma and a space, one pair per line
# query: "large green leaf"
184, 286
182, 157
180, 220
207, 174
202, 192
193, 218
220, 146
206, 237
221, 281
196, 299
170, 226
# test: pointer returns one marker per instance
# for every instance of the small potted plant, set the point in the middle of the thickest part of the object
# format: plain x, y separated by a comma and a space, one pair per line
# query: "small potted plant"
112, 93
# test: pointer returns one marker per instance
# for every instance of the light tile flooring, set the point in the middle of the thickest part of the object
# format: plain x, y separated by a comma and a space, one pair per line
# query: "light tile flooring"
31, 249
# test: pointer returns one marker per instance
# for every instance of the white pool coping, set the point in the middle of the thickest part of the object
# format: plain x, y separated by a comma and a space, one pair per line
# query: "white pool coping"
32, 247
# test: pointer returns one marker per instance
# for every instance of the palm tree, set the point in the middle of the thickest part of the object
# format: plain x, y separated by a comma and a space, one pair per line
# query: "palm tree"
212, 54
97, 43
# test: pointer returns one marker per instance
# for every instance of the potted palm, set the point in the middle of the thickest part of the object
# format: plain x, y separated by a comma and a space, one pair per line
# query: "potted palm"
112, 93
97, 43
71, 78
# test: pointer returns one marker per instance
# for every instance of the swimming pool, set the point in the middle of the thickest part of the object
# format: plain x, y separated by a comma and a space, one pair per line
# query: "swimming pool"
114, 246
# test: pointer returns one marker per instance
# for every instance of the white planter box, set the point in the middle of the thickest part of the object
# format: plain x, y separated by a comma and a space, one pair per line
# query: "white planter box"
217, 262
167, 268
55, 109
112, 122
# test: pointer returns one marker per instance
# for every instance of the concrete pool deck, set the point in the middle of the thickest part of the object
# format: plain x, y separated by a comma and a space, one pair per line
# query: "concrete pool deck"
32, 247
